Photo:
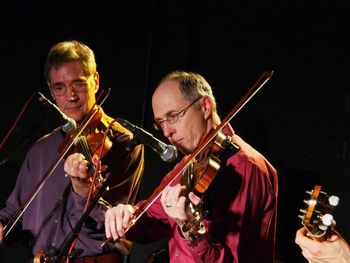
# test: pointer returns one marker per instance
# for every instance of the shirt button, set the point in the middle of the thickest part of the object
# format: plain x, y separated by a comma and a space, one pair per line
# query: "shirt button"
177, 254
53, 244
56, 221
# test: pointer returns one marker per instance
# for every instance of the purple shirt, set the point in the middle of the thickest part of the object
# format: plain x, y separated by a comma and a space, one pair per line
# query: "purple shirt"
56, 209
240, 227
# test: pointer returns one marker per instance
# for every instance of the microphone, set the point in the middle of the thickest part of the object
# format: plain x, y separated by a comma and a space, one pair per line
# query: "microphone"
68, 125
167, 152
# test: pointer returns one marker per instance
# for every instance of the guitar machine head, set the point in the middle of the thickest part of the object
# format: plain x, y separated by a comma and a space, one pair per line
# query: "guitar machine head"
317, 215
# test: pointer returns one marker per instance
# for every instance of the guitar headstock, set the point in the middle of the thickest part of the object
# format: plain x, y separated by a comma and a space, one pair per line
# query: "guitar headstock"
317, 215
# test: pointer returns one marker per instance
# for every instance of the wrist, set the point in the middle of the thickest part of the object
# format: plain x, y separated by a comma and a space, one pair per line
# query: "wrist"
180, 224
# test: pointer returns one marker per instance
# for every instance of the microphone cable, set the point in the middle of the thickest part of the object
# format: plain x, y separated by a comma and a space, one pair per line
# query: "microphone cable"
14, 125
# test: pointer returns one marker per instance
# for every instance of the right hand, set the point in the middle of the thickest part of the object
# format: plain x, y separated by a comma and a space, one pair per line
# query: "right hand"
117, 220
76, 166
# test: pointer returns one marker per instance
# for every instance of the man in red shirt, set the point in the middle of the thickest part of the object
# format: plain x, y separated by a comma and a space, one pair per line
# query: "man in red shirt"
240, 203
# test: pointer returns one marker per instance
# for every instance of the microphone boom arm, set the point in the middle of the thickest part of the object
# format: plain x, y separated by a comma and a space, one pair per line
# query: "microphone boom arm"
167, 152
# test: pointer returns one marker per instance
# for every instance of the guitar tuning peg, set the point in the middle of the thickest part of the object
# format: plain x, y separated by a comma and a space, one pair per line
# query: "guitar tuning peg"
312, 202
318, 212
301, 217
327, 220
333, 200
309, 192
302, 211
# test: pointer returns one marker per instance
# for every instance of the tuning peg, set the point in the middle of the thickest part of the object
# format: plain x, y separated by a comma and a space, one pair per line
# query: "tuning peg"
333, 200
309, 192
327, 220
309, 202
302, 211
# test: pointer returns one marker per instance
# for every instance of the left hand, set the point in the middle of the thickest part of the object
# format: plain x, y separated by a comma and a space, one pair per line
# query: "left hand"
332, 250
173, 202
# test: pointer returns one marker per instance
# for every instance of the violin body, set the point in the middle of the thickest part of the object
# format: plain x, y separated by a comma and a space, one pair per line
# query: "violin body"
199, 176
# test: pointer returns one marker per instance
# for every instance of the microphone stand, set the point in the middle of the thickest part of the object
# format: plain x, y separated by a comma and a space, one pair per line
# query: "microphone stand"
56, 255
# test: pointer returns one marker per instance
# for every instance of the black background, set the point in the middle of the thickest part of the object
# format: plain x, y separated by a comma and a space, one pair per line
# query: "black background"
299, 120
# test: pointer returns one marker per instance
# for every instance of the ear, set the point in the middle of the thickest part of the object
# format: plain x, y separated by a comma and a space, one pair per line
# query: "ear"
97, 81
207, 106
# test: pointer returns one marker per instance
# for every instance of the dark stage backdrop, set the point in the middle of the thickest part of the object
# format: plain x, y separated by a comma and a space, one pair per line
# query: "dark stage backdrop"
299, 120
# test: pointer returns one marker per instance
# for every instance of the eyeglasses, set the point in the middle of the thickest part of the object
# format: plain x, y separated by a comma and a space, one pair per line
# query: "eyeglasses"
77, 85
173, 117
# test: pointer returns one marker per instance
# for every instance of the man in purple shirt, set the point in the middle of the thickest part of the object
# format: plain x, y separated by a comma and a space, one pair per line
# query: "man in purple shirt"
239, 206
56, 209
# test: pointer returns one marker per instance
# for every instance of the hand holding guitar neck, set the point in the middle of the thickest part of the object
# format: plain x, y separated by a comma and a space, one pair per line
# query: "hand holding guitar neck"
317, 216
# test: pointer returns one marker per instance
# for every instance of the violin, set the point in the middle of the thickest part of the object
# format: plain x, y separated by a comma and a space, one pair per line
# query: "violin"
95, 138
211, 143
199, 176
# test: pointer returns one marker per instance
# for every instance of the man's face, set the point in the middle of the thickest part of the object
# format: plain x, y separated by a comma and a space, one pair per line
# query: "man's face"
73, 91
187, 131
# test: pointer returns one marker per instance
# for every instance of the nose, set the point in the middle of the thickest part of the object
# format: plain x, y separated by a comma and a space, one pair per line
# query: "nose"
168, 130
70, 93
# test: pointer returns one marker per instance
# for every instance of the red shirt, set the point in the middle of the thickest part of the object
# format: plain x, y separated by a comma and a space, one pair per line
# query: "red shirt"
242, 204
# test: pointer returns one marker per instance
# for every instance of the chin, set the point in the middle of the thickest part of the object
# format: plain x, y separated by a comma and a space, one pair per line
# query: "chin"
76, 117
75, 114
183, 150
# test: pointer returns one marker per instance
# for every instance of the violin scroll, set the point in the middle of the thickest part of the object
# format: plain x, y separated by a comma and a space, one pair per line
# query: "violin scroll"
40, 257
194, 225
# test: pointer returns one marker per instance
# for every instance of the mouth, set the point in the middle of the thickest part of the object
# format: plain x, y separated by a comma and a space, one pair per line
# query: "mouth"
176, 142
73, 108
